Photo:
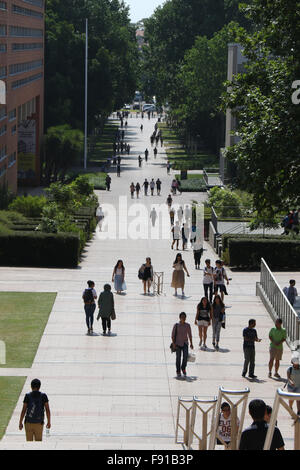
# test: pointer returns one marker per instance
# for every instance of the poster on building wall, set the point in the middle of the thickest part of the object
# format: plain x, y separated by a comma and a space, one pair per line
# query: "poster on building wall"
27, 150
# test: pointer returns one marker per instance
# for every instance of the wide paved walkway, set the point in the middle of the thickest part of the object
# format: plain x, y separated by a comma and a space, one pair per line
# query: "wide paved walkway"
120, 392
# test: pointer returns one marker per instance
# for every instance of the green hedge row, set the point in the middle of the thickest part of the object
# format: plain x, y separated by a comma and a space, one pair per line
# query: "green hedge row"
279, 254
36, 249
227, 237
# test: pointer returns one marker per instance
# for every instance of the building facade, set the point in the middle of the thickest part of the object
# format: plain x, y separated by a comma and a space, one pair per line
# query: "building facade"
22, 69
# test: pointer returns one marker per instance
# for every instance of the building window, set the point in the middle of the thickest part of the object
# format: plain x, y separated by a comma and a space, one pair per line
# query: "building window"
13, 130
2, 113
3, 6
26, 12
3, 48
12, 159
3, 72
27, 46
3, 30
3, 130
3, 153
25, 81
20, 31
37, 3
2, 171
12, 115
15, 69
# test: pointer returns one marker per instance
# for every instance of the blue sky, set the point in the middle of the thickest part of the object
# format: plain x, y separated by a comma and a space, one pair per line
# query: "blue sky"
140, 9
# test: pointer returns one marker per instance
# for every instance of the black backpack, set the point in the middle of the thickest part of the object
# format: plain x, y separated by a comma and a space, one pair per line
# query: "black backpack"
35, 408
88, 296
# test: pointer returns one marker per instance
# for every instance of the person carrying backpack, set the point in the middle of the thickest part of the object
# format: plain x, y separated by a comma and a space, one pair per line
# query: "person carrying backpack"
89, 295
219, 279
34, 405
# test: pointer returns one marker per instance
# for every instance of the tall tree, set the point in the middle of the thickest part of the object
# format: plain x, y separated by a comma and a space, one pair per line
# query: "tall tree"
267, 154
112, 59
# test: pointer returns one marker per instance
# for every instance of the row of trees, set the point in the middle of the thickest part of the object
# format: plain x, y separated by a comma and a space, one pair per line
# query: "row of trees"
112, 74
185, 62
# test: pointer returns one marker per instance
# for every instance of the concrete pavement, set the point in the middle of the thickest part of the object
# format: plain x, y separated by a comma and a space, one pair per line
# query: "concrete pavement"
120, 392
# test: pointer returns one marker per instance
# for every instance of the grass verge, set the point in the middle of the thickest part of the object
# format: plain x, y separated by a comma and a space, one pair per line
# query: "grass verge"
10, 389
23, 317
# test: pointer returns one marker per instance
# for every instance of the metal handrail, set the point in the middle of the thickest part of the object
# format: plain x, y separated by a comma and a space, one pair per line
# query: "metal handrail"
281, 306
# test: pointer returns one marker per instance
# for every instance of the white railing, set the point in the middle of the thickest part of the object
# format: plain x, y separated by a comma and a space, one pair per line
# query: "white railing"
278, 305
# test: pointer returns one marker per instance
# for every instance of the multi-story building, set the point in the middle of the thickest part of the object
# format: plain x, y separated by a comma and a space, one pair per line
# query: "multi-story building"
22, 69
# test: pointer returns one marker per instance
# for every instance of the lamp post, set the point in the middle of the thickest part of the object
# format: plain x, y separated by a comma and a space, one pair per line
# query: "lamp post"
86, 95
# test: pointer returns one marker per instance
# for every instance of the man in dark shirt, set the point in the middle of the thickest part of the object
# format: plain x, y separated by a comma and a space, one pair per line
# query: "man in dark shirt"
34, 406
253, 438
250, 337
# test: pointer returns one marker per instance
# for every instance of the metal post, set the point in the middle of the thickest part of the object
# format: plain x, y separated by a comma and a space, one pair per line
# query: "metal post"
86, 95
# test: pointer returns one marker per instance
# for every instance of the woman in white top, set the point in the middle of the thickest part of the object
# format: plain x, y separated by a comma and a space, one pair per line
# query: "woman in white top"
176, 235
118, 277
208, 280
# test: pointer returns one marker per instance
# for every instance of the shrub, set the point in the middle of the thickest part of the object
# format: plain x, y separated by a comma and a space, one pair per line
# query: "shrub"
29, 206
279, 254
227, 237
39, 250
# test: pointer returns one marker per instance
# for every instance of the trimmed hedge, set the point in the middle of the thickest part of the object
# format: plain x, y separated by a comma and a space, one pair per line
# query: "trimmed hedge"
36, 249
240, 236
279, 254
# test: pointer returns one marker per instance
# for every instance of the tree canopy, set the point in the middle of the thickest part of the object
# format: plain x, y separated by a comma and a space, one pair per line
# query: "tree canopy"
112, 60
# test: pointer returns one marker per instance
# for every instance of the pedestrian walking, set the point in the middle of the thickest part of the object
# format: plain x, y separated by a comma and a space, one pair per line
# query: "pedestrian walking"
184, 236
146, 154
291, 292
169, 202
100, 217
118, 277
146, 274
277, 336
176, 235
153, 216
293, 380
168, 167
203, 319
152, 186
155, 152
89, 295
254, 437
181, 335
250, 338
34, 405
178, 278
106, 306
220, 276
140, 161
108, 182
180, 215
172, 216
142, 127
158, 186
208, 280
225, 426
138, 189
146, 186
118, 170
174, 187
132, 190
179, 186
218, 320
198, 252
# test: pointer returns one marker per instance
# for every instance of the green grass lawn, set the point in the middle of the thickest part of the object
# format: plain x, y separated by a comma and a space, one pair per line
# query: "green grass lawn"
101, 146
23, 317
193, 183
10, 389
180, 158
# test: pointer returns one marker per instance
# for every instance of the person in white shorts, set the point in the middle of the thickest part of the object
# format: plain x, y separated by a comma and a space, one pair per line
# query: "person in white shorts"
203, 319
